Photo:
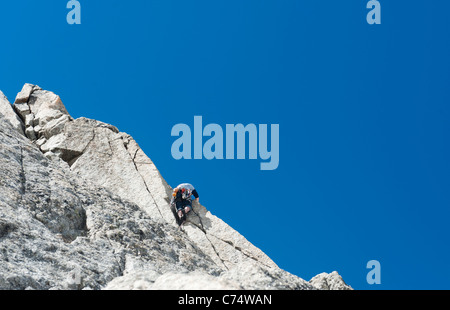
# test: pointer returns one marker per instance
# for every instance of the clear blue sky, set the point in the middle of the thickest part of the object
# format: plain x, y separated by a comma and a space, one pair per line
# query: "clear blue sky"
363, 110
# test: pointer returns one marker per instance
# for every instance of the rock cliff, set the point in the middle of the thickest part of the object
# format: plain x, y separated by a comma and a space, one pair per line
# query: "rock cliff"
83, 207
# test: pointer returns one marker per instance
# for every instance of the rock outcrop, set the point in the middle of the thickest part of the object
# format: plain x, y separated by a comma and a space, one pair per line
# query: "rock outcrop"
329, 281
82, 206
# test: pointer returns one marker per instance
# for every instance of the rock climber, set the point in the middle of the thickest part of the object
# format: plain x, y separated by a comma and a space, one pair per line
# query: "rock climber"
182, 199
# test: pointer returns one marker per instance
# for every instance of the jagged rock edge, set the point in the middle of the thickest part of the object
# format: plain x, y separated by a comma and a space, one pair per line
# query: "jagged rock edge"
133, 158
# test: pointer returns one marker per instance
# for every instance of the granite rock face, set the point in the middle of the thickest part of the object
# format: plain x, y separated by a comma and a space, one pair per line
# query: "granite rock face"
7, 111
329, 281
83, 207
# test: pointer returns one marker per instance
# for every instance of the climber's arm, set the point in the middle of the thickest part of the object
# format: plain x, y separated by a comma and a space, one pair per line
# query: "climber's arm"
194, 192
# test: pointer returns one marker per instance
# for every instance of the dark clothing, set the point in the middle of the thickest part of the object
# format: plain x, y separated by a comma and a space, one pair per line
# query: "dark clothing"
194, 192
183, 203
